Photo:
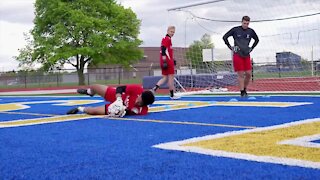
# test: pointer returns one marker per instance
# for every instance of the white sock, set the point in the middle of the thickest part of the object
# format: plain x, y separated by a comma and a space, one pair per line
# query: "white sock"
81, 109
89, 91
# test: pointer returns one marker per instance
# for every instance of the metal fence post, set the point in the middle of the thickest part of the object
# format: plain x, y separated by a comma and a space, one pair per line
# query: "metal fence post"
25, 80
119, 75
88, 77
58, 79
279, 72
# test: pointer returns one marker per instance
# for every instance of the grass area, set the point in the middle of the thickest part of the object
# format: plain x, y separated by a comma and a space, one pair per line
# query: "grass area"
55, 84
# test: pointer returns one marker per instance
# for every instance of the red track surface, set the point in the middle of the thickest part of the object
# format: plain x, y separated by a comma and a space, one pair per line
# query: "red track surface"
269, 84
283, 84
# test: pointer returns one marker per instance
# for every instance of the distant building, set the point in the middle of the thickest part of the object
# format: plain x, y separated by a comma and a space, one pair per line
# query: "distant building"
316, 66
144, 67
288, 61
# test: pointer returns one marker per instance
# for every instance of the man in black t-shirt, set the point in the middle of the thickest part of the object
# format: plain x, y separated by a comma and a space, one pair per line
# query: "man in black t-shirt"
242, 36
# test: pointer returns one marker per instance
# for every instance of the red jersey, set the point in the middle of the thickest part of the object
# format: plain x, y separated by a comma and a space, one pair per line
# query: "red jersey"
129, 98
166, 42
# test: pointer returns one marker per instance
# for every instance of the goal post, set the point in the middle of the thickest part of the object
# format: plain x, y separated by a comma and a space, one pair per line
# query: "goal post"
287, 57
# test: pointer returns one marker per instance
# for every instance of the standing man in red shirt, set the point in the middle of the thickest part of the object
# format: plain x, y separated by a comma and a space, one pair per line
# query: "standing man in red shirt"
242, 36
167, 63
128, 99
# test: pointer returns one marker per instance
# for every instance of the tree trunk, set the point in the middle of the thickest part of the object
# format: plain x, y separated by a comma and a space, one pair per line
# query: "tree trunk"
80, 71
81, 77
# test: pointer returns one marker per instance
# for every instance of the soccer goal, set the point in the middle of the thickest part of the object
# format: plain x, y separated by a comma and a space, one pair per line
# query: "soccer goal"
206, 71
287, 57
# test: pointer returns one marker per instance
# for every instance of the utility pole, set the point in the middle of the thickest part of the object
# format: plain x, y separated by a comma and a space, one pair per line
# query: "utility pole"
312, 63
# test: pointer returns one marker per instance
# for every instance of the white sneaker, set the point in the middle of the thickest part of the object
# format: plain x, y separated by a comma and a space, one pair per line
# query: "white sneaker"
174, 97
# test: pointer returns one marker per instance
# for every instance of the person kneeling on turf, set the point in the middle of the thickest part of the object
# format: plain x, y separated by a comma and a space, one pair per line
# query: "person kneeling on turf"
128, 99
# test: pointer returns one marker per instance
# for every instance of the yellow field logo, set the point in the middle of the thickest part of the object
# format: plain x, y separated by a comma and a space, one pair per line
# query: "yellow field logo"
288, 144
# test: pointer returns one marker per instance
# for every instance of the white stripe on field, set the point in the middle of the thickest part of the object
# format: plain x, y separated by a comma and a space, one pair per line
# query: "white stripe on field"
303, 141
177, 145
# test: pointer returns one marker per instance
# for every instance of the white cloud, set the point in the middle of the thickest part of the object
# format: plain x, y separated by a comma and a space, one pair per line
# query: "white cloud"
16, 18
17, 11
11, 39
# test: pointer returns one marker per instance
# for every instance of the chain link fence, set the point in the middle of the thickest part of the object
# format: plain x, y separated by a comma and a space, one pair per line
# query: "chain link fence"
69, 77
134, 75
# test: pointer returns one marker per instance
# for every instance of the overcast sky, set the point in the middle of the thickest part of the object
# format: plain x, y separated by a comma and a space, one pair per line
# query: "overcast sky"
298, 35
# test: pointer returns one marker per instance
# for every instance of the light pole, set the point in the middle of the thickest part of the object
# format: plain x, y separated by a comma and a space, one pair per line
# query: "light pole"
312, 68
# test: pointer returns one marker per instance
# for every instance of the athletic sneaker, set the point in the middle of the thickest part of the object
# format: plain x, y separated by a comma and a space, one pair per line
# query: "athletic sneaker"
84, 91
175, 97
244, 94
73, 111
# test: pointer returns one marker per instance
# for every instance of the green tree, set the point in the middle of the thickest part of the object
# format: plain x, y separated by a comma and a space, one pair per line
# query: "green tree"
79, 32
305, 62
194, 53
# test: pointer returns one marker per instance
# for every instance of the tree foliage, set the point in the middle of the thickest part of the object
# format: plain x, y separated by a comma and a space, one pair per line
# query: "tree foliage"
79, 32
194, 53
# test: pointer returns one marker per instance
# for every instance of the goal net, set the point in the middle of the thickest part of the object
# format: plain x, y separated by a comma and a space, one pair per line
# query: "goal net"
287, 57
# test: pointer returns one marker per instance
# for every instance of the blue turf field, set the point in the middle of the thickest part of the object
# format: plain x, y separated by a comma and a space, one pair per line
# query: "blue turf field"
33, 146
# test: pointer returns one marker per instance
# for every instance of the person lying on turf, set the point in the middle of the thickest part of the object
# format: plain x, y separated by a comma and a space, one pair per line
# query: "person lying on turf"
127, 99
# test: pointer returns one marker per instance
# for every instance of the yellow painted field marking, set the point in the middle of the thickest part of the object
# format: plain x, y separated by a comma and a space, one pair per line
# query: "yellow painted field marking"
23, 105
288, 144
178, 105
27, 113
265, 143
12, 107
34, 121
164, 106
182, 123
44, 120
77, 102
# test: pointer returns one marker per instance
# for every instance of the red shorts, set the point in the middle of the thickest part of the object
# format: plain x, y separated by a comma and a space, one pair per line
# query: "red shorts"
241, 63
110, 94
170, 68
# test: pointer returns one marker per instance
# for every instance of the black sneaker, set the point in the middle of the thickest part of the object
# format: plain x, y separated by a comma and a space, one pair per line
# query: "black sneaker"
84, 91
243, 94
73, 111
